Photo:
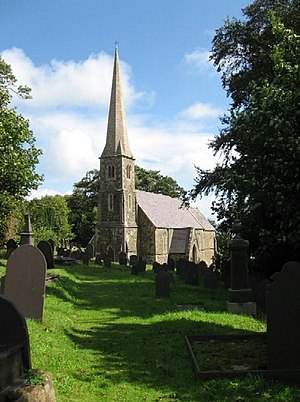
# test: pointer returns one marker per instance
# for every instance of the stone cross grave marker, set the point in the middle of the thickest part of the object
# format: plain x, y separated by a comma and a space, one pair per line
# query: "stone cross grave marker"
283, 318
25, 281
47, 250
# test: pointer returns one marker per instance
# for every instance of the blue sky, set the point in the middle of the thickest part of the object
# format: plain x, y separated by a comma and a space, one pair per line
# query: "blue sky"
63, 49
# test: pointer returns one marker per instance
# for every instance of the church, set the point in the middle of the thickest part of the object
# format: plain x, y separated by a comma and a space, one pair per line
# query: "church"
152, 226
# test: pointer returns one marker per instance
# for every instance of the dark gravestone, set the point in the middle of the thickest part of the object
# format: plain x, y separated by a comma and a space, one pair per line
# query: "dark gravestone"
47, 250
283, 318
210, 279
191, 274
76, 254
25, 280
107, 260
156, 266
122, 258
52, 245
11, 245
60, 251
141, 266
171, 264
14, 345
202, 267
88, 254
134, 262
259, 293
98, 259
162, 284
181, 268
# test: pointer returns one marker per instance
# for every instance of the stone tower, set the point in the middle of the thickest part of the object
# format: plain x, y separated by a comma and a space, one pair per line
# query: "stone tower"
117, 228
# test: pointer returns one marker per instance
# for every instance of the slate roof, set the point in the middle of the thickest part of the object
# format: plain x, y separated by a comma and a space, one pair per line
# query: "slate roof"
180, 241
167, 212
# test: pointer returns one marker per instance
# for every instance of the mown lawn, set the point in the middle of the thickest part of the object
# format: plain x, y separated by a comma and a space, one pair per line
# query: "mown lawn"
106, 337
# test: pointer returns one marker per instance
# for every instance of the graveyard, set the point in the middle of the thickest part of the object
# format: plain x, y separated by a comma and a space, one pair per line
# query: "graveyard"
105, 335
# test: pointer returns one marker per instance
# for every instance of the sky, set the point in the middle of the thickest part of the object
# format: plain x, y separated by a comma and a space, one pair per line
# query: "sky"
63, 50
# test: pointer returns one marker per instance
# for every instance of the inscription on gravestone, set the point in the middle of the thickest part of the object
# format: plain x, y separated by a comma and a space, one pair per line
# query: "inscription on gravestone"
25, 280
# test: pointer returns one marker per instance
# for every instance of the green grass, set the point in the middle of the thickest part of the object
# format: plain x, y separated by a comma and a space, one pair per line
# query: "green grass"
106, 337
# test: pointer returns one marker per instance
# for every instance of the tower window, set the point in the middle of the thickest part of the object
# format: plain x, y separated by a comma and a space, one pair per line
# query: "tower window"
129, 202
128, 171
110, 202
111, 172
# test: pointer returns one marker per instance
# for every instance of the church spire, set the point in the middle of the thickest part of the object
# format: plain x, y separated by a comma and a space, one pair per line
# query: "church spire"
116, 138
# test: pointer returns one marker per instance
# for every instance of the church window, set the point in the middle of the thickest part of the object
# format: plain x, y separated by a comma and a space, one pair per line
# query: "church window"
111, 172
128, 171
110, 202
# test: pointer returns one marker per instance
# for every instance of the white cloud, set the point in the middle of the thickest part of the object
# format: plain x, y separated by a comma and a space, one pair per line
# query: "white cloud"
85, 83
68, 116
200, 111
198, 61
42, 192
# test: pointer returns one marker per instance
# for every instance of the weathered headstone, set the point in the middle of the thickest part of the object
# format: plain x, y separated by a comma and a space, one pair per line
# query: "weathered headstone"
240, 293
122, 258
11, 245
283, 318
47, 250
162, 284
25, 280
14, 345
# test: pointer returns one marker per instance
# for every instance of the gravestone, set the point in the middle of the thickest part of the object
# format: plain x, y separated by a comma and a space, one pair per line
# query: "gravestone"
191, 276
162, 284
11, 245
171, 264
202, 266
122, 258
210, 279
107, 260
76, 254
181, 268
141, 266
60, 251
88, 254
14, 346
25, 281
134, 262
98, 259
283, 318
47, 250
52, 245
240, 294
27, 234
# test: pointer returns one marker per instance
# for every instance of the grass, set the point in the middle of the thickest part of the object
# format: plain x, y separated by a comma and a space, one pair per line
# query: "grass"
106, 337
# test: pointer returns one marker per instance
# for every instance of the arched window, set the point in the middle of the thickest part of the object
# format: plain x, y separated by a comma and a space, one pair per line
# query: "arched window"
110, 202
111, 171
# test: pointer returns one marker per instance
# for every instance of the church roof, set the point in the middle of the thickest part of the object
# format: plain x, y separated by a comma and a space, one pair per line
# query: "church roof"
167, 212
116, 137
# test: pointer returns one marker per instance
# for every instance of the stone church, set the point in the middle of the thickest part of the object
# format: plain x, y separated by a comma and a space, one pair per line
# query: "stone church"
152, 226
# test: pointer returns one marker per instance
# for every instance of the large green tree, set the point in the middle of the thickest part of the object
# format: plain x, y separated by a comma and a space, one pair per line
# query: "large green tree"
258, 180
18, 154
49, 218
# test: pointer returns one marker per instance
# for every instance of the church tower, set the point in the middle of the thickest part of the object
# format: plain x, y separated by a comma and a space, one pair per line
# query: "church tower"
117, 228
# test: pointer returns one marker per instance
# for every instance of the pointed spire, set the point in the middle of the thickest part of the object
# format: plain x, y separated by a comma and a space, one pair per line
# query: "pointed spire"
116, 138
27, 234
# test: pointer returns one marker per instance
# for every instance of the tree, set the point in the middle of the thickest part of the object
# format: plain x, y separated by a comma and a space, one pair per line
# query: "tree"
258, 180
152, 181
83, 207
49, 218
18, 154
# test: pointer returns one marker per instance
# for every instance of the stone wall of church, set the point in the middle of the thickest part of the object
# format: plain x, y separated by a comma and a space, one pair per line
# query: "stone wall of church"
145, 237
205, 245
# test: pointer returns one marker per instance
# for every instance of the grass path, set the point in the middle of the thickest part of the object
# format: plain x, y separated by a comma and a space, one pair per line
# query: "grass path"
105, 337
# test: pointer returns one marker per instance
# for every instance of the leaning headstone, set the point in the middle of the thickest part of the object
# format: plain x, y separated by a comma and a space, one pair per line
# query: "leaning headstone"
47, 250
25, 281
162, 284
11, 245
283, 318
14, 346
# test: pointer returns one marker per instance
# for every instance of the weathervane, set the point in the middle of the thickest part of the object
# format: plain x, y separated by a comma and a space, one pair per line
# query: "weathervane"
116, 44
